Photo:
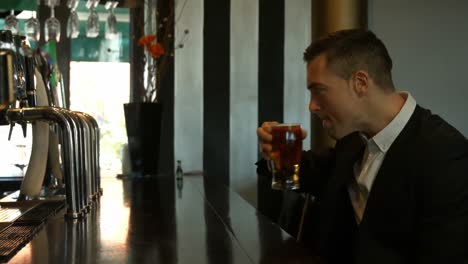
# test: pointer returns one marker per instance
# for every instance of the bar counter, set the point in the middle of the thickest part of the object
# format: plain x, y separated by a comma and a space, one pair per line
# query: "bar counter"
160, 220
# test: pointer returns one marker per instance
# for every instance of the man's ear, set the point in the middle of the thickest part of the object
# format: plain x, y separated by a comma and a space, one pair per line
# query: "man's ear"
360, 82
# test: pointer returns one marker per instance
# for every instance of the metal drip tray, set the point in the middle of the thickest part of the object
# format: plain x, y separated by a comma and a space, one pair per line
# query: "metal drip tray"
41, 212
20, 221
49, 195
26, 212
4, 225
8, 215
14, 237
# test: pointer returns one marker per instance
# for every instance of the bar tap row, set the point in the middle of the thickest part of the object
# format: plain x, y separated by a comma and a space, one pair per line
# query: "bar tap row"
27, 97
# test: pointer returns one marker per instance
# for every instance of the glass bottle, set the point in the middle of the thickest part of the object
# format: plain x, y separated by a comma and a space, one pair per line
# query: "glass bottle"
179, 171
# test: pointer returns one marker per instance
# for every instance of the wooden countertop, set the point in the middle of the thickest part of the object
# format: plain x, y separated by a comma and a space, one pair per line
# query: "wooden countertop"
159, 220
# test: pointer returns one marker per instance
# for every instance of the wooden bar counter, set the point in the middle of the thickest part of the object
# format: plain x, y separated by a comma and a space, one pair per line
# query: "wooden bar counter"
159, 220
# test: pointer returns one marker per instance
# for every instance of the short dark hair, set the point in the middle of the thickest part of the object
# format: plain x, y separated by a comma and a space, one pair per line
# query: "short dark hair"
348, 51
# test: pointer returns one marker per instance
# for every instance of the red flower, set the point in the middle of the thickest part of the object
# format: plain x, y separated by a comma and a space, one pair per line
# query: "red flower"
156, 50
146, 40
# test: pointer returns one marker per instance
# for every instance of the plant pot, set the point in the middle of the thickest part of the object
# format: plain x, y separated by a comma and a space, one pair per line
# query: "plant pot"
143, 123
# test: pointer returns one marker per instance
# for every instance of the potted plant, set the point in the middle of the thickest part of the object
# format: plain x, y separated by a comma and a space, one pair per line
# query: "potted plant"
144, 115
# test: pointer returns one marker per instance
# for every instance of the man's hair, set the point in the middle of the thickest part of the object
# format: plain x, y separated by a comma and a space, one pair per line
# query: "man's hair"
348, 51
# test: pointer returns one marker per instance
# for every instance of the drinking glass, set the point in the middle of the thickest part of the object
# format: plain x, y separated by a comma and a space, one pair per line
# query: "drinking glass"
51, 3
73, 25
12, 23
52, 27
286, 156
111, 24
92, 27
32, 29
20, 157
72, 4
92, 4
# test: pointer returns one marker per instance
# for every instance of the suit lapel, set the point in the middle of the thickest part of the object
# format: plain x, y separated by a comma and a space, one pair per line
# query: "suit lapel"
343, 171
387, 210
337, 222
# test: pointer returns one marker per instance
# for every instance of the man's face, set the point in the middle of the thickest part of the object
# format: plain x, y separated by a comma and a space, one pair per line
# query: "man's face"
332, 99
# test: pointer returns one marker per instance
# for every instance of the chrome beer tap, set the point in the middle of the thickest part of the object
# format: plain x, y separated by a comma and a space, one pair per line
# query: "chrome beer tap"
7, 49
25, 98
57, 115
12, 81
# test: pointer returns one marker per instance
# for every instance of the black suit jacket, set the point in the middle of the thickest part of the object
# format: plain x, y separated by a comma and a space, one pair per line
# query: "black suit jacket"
417, 210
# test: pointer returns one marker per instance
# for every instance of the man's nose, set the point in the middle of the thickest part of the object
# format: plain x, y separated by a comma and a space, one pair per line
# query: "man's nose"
313, 106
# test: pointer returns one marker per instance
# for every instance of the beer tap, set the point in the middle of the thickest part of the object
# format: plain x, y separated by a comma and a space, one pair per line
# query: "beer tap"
6, 64
26, 86
29, 64
12, 80
26, 97
22, 64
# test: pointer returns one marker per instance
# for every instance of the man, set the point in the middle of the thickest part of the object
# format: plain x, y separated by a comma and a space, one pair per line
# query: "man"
394, 189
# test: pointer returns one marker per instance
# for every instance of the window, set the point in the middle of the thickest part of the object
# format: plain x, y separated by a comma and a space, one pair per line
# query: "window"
100, 89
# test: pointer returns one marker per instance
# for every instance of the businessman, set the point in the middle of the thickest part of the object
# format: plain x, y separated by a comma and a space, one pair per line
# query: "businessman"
394, 188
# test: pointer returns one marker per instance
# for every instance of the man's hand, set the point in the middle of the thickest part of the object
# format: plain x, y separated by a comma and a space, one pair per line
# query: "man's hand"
265, 138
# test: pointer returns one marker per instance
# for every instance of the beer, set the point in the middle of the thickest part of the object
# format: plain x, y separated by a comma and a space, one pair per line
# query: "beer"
286, 156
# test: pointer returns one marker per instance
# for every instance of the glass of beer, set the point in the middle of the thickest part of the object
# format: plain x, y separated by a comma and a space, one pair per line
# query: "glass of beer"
286, 156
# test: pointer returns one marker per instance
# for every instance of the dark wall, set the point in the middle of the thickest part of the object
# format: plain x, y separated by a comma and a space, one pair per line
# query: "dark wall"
270, 88
166, 161
216, 71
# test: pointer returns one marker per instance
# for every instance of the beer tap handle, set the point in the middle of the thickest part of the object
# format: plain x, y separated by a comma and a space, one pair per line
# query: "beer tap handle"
11, 130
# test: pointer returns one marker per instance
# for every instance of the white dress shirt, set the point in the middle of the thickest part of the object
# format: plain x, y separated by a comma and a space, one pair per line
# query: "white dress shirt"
374, 154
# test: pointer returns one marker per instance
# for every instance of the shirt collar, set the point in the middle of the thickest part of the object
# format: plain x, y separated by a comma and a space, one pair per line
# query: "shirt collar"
384, 139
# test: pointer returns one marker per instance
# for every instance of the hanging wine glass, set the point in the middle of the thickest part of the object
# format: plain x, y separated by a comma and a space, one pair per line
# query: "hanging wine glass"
73, 23
111, 23
72, 4
92, 26
32, 28
51, 3
12, 23
52, 26
92, 3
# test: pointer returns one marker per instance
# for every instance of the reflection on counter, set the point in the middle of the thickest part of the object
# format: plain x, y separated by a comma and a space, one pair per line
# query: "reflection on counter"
160, 220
